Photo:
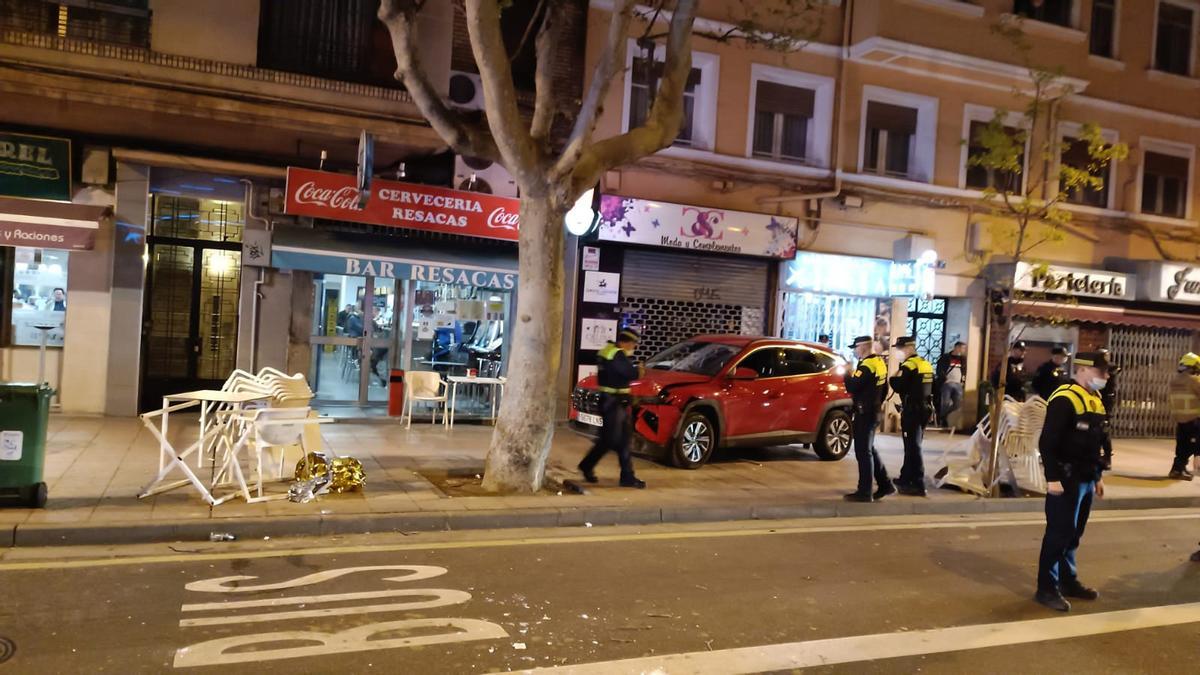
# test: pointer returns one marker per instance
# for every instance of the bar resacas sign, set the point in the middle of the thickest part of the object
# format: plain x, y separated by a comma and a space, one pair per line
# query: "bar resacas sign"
334, 196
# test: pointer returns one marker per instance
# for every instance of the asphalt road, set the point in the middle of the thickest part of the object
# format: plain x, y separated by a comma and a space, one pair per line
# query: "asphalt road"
887, 595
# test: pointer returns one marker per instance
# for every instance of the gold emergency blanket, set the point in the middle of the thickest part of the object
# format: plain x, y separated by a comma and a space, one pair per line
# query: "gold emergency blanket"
345, 474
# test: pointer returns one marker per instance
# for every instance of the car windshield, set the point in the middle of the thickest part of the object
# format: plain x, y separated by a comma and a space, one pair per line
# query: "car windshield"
694, 356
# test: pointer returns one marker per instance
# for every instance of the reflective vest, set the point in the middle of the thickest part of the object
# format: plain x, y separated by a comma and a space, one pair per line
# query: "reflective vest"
613, 370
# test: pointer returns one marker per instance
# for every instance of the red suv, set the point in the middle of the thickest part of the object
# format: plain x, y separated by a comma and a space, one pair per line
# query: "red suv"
732, 390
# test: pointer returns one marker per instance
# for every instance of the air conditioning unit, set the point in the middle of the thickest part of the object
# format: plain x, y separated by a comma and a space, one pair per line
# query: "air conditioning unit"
480, 175
466, 90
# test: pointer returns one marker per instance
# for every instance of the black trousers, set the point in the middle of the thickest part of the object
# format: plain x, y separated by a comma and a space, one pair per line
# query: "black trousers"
869, 464
1066, 518
614, 435
1187, 443
912, 428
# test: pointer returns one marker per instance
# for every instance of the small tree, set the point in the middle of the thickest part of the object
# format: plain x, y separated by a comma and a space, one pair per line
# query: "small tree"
1027, 209
552, 173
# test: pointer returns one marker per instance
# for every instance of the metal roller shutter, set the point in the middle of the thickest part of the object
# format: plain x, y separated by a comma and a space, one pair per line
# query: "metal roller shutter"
675, 296
1148, 357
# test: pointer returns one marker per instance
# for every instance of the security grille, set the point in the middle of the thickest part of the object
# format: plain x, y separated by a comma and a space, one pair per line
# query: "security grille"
927, 323
1147, 357
667, 322
676, 296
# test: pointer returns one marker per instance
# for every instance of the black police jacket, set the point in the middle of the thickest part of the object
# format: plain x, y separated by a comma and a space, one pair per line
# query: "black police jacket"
1073, 435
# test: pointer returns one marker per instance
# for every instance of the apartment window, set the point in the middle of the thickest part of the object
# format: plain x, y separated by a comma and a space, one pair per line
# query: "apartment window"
334, 39
1057, 12
982, 177
647, 73
124, 22
782, 117
1173, 39
1075, 155
1102, 40
1164, 184
891, 131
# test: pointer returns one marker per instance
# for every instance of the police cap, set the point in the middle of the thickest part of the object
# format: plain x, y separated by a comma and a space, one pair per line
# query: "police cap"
1062, 351
1019, 344
628, 335
905, 341
860, 340
1093, 360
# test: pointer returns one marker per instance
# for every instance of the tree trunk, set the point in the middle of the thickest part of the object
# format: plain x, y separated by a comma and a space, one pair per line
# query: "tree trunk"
520, 446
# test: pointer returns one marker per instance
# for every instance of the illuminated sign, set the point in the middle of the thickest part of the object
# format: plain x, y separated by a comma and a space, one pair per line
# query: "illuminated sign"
865, 277
1071, 281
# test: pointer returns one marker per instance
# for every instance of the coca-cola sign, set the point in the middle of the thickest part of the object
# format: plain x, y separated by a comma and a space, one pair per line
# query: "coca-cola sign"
333, 196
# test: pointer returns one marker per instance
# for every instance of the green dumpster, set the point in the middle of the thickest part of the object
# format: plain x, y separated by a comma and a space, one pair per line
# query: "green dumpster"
24, 415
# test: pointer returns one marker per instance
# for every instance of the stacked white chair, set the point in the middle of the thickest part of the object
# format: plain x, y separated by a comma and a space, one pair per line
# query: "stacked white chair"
970, 474
426, 387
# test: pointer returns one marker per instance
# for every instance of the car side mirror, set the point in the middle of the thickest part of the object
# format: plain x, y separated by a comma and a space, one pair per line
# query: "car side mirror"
743, 374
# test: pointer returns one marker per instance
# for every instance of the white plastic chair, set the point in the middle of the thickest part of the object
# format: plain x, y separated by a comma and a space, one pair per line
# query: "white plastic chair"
427, 387
271, 430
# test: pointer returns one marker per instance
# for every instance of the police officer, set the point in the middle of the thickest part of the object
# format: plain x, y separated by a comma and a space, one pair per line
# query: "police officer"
914, 383
868, 386
615, 372
1014, 381
1071, 443
1052, 374
1108, 396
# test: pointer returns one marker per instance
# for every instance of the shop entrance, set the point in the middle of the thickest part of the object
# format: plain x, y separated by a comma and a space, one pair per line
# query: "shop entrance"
193, 280
413, 325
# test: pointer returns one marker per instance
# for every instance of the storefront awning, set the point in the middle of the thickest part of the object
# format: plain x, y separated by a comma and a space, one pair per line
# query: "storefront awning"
338, 253
1119, 316
27, 222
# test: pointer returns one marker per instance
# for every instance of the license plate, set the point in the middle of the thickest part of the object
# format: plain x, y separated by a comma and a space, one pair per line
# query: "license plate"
594, 420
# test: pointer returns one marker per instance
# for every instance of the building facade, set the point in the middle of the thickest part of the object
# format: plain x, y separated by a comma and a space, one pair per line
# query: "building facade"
862, 137
196, 142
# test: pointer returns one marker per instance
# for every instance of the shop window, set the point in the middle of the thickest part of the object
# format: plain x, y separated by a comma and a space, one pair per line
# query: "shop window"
1057, 12
1075, 154
1164, 184
1173, 39
39, 296
197, 219
982, 177
1102, 39
891, 131
782, 115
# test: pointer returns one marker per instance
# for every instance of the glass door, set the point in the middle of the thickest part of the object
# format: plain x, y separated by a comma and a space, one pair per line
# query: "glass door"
355, 334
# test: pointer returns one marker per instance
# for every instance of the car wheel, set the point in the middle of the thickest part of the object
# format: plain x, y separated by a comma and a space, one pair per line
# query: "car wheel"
833, 443
696, 442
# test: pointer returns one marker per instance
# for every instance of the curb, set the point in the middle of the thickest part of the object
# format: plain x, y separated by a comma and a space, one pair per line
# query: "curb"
41, 534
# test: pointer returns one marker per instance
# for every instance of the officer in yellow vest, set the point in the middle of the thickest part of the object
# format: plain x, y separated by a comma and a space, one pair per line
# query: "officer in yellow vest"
913, 382
615, 372
868, 386
1071, 445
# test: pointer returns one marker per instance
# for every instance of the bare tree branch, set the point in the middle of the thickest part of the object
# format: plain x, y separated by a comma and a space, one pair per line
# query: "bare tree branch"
528, 30
666, 114
605, 72
464, 137
499, 94
545, 105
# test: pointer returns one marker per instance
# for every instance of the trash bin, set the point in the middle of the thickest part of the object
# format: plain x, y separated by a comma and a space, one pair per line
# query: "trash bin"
24, 415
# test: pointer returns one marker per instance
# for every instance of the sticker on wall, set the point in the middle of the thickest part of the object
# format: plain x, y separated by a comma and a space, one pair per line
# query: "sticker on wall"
602, 287
11, 443
594, 333
591, 258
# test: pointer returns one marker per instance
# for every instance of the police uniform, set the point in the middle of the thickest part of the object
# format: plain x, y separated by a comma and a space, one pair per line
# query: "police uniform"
1014, 380
1050, 376
615, 372
868, 386
1071, 445
914, 384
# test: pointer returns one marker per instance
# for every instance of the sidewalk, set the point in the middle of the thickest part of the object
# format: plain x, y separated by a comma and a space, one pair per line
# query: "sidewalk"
95, 467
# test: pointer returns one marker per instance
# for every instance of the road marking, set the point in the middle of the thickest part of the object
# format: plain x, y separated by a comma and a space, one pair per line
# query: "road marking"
442, 597
859, 648
566, 539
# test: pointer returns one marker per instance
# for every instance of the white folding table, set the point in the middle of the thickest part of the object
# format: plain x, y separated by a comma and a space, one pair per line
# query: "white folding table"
496, 383
213, 435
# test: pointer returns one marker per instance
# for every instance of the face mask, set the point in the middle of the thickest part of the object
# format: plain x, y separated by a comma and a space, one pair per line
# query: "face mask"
1097, 383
